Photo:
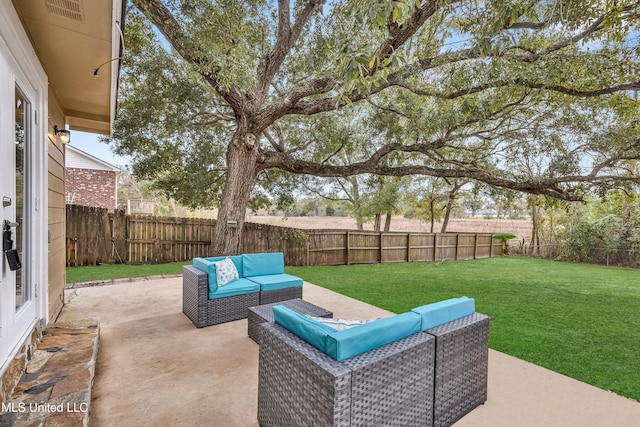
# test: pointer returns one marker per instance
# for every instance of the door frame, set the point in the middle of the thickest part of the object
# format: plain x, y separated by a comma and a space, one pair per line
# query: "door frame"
19, 66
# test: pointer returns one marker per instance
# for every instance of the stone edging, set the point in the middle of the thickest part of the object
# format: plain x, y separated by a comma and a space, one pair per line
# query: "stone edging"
89, 284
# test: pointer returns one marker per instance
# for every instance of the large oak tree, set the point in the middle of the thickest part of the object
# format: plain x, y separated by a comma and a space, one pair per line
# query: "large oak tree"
533, 96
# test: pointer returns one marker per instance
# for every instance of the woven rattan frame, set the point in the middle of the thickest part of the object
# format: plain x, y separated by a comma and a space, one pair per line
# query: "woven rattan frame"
461, 367
298, 385
203, 311
276, 295
264, 313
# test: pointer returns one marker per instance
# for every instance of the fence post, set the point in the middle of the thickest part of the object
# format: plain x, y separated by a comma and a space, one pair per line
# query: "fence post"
348, 246
381, 250
475, 246
408, 247
435, 247
457, 246
490, 248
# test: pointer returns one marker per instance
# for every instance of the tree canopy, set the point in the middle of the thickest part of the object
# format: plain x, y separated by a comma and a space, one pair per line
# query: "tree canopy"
532, 96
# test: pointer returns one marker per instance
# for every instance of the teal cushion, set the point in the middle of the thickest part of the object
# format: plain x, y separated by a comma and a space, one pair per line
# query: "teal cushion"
445, 311
315, 333
208, 266
237, 287
360, 339
263, 264
276, 281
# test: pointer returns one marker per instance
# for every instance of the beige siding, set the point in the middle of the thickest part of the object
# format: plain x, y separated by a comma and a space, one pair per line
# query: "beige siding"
57, 217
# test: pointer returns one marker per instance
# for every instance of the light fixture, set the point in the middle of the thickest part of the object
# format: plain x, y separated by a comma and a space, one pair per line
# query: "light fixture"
95, 72
63, 134
122, 48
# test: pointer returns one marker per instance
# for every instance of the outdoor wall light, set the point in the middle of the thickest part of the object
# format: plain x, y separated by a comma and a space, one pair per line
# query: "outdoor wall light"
63, 134
95, 72
122, 49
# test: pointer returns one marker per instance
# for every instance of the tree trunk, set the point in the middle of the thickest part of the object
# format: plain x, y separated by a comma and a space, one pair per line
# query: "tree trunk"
357, 209
387, 222
451, 201
359, 221
534, 246
376, 223
432, 211
241, 174
445, 220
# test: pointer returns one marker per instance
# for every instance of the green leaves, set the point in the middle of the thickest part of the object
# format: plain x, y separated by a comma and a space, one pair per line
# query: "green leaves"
503, 236
511, 93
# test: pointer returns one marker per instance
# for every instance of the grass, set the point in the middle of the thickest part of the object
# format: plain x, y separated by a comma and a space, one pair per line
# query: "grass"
120, 271
579, 320
576, 319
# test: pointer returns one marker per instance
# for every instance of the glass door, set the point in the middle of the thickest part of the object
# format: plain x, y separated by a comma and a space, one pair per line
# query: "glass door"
17, 168
22, 130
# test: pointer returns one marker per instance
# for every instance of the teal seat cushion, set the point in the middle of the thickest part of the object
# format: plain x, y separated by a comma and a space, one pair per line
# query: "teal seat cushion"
237, 287
315, 333
208, 266
360, 339
445, 311
273, 282
263, 264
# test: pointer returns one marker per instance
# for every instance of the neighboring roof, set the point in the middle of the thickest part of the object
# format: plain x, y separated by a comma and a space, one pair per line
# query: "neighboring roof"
78, 159
72, 38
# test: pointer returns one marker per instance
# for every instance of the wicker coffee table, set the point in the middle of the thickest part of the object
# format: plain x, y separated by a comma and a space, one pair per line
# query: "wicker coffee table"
264, 313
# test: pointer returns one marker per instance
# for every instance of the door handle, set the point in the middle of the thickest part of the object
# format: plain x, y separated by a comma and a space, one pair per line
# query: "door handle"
6, 201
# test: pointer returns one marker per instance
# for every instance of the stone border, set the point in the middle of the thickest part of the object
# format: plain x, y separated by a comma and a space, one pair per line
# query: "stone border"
93, 283
55, 389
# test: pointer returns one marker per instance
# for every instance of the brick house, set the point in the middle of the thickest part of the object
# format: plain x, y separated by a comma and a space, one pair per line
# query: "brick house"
90, 181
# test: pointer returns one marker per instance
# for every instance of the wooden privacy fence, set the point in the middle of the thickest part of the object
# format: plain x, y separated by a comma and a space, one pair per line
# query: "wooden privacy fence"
95, 236
338, 247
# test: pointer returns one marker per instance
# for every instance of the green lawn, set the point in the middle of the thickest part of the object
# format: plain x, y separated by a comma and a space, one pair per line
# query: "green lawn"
119, 271
580, 320
576, 319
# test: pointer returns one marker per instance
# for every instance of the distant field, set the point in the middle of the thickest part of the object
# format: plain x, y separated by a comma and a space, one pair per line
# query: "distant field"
520, 227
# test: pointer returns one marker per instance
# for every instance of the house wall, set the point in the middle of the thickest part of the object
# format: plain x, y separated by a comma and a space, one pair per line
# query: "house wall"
91, 187
56, 211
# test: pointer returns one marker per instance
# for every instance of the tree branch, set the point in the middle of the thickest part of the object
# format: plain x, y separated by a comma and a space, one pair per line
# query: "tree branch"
524, 83
294, 102
398, 35
287, 36
158, 13
272, 141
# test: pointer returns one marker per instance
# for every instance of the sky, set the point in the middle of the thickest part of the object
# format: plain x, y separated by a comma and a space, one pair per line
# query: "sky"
89, 143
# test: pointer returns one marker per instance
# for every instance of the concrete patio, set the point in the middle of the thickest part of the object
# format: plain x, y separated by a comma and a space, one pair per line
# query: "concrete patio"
154, 368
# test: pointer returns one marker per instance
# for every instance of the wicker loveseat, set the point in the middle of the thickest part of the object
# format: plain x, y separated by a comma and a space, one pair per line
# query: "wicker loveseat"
261, 281
432, 375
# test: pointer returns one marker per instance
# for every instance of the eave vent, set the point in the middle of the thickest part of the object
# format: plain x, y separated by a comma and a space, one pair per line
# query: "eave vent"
71, 9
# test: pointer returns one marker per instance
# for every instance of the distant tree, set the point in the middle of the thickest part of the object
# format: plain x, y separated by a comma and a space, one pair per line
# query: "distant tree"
254, 86
382, 198
605, 230
427, 198
452, 200
473, 199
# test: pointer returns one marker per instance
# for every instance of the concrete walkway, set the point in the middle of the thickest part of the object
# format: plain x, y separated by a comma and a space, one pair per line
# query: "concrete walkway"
155, 368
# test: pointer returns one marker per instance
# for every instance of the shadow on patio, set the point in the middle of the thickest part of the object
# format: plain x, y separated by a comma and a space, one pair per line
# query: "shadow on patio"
155, 368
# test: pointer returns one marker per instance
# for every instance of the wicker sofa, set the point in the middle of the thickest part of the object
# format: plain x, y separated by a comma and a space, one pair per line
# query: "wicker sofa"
299, 385
461, 367
261, 281
432, 377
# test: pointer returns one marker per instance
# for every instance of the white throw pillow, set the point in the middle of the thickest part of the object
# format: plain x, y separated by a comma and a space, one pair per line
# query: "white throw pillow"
226, 271
339, 324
